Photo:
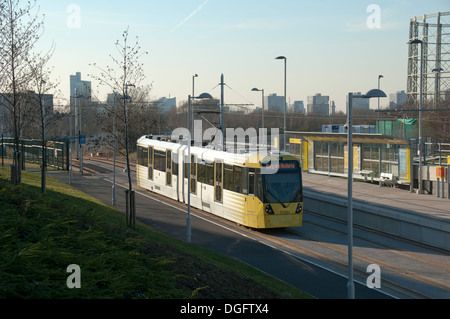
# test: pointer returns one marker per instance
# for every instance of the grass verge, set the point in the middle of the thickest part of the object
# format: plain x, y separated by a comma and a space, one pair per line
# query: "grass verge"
41, 235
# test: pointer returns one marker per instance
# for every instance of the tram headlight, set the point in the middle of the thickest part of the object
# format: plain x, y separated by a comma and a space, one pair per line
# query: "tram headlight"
299, 208
269, 210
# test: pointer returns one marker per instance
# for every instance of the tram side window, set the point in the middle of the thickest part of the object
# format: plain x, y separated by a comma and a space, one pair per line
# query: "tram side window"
201, 172
159, 160
209, 174
205, 173
228, 177
238, 179
142, 156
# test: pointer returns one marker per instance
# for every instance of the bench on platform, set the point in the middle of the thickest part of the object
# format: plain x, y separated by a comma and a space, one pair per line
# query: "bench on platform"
366, 173
388, 179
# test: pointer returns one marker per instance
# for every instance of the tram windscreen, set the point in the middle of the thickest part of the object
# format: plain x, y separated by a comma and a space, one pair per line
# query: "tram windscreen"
285, 185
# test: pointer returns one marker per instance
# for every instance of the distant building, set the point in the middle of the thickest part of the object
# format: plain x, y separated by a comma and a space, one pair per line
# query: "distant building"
274, 103
167, 103
333, 107
359, 103
397, 99
47, 101
30, 99
3, 112
319, 104
81, 87
110, 97
299, 107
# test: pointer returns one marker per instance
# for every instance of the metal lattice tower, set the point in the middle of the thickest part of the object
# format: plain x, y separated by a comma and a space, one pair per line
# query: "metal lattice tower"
434, 31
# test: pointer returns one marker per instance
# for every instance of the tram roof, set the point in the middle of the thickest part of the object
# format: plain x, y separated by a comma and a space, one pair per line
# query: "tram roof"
210, 155
342, 137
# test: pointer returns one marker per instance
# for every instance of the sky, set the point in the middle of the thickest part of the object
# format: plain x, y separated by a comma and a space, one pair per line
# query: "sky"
332, 47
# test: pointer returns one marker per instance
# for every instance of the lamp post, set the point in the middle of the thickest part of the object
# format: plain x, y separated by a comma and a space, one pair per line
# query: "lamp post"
70, 146
257, 90
78, 129
379, 78
193, 94
284, 124
372, 93
436, 71
189, 141
417, 41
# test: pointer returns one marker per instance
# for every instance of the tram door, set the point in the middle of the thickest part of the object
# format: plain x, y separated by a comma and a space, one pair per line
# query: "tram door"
150, 163
218, 181
193, 177
169, 168
251, 181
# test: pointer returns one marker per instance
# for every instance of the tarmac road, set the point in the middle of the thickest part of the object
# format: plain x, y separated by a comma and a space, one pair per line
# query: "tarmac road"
225, 238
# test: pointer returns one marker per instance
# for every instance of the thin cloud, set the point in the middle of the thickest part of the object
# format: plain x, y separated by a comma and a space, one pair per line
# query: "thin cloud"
190, 16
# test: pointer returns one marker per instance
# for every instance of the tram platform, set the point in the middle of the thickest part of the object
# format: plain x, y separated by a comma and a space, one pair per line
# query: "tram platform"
419, 217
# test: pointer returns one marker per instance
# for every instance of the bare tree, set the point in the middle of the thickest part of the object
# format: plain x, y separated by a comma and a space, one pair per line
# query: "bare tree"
124, 77
18, 34
40, 102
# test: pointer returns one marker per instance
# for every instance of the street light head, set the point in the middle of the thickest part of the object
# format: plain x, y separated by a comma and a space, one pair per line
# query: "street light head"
374, 93
280, 57
380, 76
205, 96
195, 75
255, 89
415, 41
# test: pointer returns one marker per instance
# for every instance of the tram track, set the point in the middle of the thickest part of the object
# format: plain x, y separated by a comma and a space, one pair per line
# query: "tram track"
340, 267
284, 240
383, 246
387, 266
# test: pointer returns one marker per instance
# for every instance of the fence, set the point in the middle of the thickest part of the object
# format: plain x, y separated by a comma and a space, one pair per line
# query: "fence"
57, 152
400, 128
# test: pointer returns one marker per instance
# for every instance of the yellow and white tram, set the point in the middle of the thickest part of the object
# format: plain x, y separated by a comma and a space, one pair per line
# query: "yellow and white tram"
232, 186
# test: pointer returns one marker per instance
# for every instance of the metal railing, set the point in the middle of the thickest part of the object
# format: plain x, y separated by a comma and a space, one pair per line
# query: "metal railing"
57, 152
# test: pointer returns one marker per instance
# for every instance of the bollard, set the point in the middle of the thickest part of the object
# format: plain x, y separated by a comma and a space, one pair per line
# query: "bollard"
440, 175
438, 188
130, 209
127, 206
448, 179
13, 174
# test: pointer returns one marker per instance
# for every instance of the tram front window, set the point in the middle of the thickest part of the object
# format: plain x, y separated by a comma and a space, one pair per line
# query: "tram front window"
283, 187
